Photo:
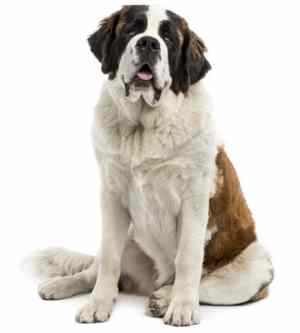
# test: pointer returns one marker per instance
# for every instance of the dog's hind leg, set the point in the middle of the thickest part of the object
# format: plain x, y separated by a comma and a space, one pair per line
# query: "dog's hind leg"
243, 280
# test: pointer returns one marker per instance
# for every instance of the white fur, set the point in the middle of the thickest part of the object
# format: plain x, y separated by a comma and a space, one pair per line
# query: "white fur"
158, 170
160, 164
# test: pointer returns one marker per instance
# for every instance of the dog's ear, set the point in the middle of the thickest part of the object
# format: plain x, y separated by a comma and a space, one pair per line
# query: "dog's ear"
101, 42
196, 62
193, 64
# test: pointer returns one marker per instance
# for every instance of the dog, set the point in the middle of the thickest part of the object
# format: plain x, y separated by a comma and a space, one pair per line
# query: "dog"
176, 226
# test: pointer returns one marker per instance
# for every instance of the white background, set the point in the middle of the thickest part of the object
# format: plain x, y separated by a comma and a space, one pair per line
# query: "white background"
49, 83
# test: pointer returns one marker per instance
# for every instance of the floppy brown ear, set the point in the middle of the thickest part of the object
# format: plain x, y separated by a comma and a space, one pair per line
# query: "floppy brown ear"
197, 63
101, 43
193, 65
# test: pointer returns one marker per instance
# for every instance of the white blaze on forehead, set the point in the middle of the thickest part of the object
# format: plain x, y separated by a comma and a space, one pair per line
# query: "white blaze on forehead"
155, 15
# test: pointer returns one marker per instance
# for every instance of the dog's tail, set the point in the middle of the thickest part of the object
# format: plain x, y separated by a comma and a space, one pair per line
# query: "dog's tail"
56, 261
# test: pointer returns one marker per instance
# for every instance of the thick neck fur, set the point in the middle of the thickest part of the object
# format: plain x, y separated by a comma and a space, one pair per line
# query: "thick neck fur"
135, 133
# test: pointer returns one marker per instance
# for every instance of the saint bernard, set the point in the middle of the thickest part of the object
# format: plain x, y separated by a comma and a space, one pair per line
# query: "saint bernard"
176, 226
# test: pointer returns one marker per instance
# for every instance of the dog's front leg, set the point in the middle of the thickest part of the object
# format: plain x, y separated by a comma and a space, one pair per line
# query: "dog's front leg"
184, 306
115, 228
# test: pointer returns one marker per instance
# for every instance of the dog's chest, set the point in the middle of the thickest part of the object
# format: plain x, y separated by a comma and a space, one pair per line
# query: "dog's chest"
154, 201
154, 196
150, 170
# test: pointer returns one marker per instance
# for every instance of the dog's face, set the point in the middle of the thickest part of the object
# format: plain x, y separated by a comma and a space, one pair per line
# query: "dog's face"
148, 50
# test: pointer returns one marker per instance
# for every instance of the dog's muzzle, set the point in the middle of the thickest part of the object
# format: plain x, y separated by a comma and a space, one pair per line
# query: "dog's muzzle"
148, 51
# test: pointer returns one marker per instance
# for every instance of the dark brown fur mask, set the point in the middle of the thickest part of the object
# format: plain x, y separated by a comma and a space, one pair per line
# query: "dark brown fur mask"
187, 62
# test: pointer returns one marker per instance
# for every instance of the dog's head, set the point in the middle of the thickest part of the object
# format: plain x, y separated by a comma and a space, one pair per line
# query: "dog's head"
148, 50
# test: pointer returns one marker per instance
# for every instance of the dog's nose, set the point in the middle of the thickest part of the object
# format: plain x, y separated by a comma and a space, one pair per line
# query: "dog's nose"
148, 44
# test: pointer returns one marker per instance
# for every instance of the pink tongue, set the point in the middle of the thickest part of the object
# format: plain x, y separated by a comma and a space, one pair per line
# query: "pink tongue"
144, 76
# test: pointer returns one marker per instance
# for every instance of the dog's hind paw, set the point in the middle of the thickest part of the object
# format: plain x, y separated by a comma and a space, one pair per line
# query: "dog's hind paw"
157, 304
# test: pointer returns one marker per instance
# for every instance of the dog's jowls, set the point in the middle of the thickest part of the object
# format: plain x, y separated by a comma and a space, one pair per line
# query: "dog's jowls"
176, 226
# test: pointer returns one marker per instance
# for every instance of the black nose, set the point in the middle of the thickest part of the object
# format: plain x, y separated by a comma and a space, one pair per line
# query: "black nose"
148, 44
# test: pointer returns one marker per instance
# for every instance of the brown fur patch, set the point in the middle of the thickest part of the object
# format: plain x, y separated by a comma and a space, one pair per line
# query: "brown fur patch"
183, 26
197, 46
118, 18
229, 213
107, 24
122, 18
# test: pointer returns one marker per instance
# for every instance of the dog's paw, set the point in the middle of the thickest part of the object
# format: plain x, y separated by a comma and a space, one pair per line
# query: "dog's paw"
157, 303
182, 313
55, 288
95, 311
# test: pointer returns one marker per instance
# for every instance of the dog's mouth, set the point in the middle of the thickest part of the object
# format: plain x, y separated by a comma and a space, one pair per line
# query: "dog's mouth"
143, 79
144, 76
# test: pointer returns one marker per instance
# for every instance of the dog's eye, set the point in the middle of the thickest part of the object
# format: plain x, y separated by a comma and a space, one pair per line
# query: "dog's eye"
131, 32
167, 39
133, 27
